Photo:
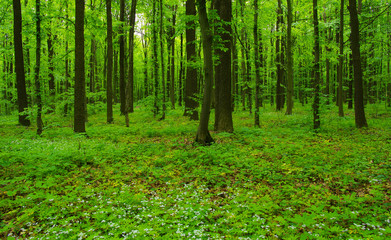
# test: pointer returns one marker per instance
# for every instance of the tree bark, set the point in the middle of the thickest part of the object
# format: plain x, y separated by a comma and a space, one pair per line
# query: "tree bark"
191, 86
340, 61
122, 85
279, 60
203, 136
80, 88
223, 97
358, 81
162, 62
130, 85
109, 79
316, 84
19, 65
289, 95
38, 66
155, 58
257, 66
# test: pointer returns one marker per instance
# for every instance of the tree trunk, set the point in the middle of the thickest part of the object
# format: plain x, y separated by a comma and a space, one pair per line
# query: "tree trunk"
180, 83
122, 85
80, 88
358, 81
289, 53
19, 65
155, 58
52, 86
191, 87
223, 97
316, 84
38, 66
162, 62
109, 84
279, 60
340, 62
257, 66
172, 60
203, 136
130, 85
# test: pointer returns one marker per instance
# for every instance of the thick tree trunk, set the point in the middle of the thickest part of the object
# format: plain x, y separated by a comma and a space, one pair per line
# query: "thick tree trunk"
203, 136
109, 84
19, 65
80, 88
191, 87
130, 85
340, 61
223, 96
289, 53
358, 81
38, 66
316, 84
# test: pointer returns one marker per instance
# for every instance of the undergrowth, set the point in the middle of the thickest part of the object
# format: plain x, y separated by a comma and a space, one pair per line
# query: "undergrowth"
149, 181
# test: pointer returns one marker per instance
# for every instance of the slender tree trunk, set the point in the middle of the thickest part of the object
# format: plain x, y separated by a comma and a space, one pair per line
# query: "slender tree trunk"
289, 53
223, 95
180, 83
316, 103
67, 75
257, 66
109, 90
38, 66
146, 82
155, 59
122, 85
80, 88
203, 136
19, 65
191, 86
340, 61
279, 61
130, 85
115, 77
172, 60
52, 85
162, 62
358, 81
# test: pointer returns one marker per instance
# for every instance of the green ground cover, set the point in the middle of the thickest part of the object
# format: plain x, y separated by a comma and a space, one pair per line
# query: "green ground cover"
150, 181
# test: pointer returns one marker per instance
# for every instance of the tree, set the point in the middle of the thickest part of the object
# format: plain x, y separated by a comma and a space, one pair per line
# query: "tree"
223, 82
191, 87
130, 85
280, 60
80, 88
38, 66
109, 90
122, 84
340, 62
155, 58
203, 136
316, 83
289, 66
162, 62
257, 66
19, 65
358, 82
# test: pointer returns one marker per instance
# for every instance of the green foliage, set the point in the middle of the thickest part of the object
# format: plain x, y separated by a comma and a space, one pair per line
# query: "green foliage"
151, 181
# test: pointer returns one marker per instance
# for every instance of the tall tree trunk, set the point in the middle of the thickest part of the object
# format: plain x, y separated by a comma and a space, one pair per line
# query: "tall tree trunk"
257, 66
67, 75
145, 51
162, 62
109, 90
351, 80
155, 58
191, 86
80, 88
279, 60
115, 77
38, 66
122, 85
180, 82
223, 85
358, 81
130, 85
289, 95
203, 136
340, 62
172, 60
316, 84
19, 65
52, 84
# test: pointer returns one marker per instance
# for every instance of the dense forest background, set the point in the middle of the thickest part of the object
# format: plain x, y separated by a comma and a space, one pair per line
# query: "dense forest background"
152, 54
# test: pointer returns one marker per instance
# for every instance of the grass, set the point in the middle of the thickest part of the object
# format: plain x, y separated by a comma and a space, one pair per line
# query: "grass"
148, 181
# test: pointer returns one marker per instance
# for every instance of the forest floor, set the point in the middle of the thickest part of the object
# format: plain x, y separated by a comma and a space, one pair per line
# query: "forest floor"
150, 181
